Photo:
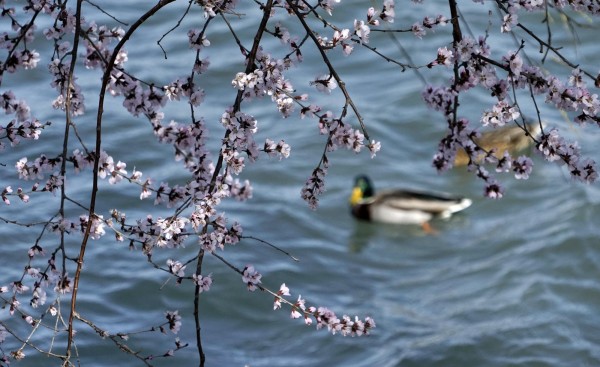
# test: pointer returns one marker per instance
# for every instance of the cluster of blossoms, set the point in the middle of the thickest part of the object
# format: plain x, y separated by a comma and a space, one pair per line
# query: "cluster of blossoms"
26, 59
220, 235
212, 7
556, 148
174, 321
241, 128
268, 79
96, 41
500, 114
188, 142
96, 228
23, 126
43, 278
163, 233
361, 29
340, 38
251, 277
203, 282
323, 317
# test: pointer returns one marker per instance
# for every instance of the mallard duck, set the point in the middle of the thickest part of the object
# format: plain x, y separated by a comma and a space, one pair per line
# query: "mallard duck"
509, 137
401, 206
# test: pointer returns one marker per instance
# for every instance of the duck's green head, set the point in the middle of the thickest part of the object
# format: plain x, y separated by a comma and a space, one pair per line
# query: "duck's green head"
363, 189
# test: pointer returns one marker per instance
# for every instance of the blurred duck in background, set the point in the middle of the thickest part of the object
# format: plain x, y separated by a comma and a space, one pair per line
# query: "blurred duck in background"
509, 138
398, 206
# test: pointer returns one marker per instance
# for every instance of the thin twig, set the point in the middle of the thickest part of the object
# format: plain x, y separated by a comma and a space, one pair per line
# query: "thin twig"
273, 246
105, 12
174, 28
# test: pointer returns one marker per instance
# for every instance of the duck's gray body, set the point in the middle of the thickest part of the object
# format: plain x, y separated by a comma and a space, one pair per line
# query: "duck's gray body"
402, 206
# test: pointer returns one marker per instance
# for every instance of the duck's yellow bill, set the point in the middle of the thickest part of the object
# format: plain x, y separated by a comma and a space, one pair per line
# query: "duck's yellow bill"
356, 196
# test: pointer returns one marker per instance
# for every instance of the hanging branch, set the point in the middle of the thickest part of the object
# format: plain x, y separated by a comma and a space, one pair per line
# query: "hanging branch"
105, 80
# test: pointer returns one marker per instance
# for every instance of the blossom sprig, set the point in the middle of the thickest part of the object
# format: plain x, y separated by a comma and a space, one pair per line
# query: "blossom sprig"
341, 38
220, 236
120, 339
36, 169
323, 317
60, 28
97, 228
280, 149
14, 131
23, 126
41, 280
173, 320
281, 32
53, 183
439, 98
189, 143
25, 59
315, 185
212, 8
388, 11
554, 148
60, 71
172, 232
361, 28
176, 268
42, 165
241, 128
419, 29
97, 40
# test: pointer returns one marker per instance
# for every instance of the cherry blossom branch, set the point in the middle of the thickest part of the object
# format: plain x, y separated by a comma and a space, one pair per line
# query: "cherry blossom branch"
322, 315
331, 69
197, 291
68, 110
105, 80
18, 354
118, 339
23, 31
